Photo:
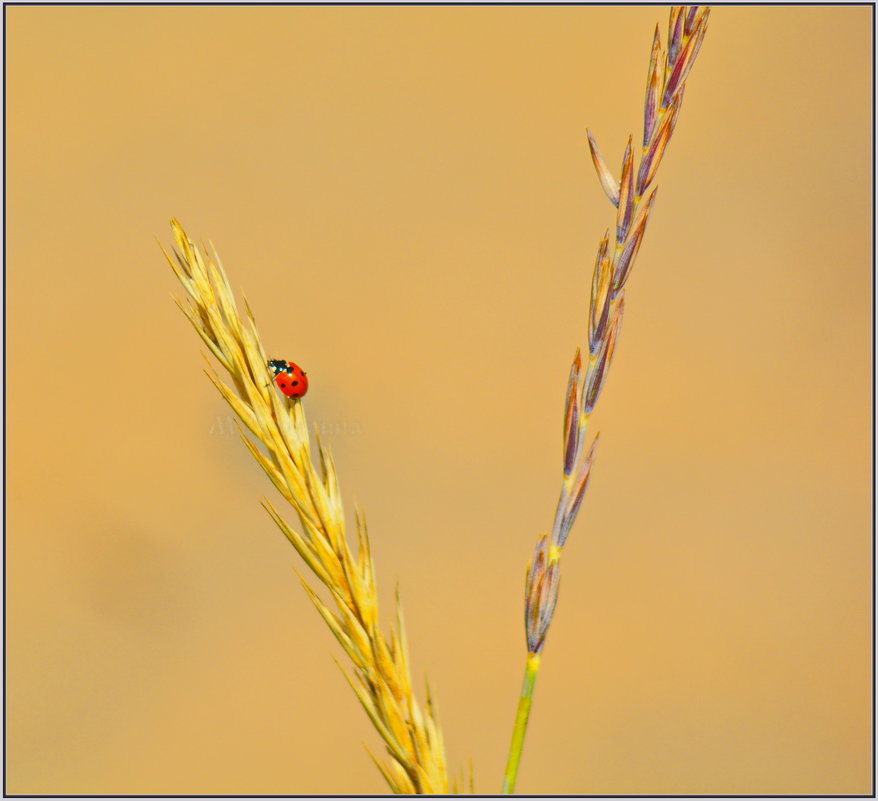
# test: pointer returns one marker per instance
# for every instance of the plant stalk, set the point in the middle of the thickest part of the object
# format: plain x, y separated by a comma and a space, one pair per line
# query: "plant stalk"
521, 716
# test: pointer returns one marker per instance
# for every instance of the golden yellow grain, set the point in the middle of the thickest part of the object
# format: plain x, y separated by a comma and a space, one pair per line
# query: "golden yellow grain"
380, 676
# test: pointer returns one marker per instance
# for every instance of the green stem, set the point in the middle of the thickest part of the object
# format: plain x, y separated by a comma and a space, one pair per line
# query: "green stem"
521, 716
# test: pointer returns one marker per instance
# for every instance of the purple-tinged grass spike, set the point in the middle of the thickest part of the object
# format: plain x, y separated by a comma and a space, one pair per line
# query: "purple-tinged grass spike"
597, 374
609, 184
652, 89
626, 194
626, 260
576, 496
571, 416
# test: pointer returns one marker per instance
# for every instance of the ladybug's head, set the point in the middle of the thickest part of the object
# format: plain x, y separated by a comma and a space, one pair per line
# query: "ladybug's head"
277, 365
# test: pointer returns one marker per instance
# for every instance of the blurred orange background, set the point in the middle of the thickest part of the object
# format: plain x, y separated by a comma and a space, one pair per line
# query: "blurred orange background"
406, 197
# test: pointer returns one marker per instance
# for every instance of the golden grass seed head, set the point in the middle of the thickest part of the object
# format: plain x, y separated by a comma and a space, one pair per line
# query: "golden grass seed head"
381, 681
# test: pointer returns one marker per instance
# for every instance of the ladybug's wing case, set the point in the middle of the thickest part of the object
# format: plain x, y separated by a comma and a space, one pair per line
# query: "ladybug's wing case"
289, 377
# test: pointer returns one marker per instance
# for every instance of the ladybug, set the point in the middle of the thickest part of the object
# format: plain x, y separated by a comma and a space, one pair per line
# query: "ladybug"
291, 379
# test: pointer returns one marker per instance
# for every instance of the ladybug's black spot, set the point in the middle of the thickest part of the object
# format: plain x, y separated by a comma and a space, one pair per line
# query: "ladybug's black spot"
295, 382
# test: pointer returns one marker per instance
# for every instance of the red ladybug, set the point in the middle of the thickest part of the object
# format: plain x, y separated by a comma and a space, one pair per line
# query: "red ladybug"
291, 379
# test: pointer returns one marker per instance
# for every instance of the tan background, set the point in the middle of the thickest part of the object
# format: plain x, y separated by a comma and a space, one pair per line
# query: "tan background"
406, 197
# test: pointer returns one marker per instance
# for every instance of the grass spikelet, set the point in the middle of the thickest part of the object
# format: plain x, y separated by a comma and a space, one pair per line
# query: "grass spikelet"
609, 184
380, 678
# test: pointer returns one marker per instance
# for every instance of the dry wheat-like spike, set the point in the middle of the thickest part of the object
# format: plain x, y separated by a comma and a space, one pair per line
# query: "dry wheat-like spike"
381, 676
